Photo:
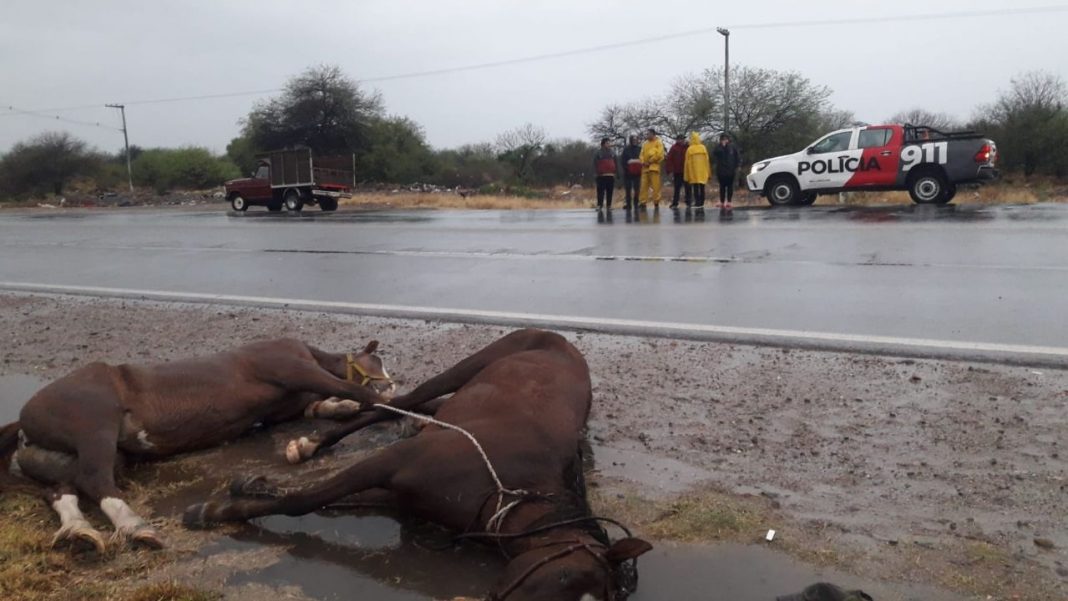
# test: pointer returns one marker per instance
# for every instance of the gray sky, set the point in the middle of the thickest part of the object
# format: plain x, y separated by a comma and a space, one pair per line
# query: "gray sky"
62, 53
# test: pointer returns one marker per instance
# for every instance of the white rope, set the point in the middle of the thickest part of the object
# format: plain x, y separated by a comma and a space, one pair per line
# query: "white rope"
497, 519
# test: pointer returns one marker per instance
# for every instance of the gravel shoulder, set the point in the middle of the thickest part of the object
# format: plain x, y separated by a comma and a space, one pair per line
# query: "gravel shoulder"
944, 473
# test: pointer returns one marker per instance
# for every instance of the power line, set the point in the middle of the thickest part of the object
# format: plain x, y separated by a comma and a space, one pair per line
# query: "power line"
1054, 8
709, 30
17, 111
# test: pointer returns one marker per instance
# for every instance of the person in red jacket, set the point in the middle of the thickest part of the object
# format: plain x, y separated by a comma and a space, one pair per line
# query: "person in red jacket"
675, 164
605, 166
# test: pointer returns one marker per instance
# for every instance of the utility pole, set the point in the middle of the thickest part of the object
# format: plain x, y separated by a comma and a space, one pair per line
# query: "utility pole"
126, 138
726, 33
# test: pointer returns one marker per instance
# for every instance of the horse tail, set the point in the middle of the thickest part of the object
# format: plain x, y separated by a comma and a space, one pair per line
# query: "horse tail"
9, 482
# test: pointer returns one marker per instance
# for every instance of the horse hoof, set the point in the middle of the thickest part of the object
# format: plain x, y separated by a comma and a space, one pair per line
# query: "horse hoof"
195, 516
251, 486
81, 537
148, 537
300, 450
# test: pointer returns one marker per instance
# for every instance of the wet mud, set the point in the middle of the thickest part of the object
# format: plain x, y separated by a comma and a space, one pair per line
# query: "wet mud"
937, 474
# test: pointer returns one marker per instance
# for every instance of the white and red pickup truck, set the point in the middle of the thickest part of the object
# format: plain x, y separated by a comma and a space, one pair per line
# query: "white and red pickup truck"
928, 163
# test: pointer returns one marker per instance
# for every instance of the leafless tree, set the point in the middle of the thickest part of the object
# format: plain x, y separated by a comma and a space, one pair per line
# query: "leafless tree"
921, 116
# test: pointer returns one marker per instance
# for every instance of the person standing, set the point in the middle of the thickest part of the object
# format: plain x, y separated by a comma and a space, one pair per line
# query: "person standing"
675, 164
632, 172
604, 165
652, 156
696, 171
728, 160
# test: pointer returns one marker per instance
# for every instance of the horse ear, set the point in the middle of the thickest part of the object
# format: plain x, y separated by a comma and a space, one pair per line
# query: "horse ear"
626, 548
371, 347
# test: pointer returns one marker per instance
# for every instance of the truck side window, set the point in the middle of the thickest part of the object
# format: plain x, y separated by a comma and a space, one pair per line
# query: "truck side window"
261, 172
834, 143
874, 138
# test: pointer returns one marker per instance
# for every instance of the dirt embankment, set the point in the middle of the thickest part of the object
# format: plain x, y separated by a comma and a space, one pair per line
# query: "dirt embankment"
950, 474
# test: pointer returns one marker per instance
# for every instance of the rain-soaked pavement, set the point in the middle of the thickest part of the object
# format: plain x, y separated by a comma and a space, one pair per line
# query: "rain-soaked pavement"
959, 274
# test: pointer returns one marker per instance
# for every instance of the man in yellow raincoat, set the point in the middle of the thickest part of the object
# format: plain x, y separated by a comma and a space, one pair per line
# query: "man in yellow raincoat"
652, 156
697, 170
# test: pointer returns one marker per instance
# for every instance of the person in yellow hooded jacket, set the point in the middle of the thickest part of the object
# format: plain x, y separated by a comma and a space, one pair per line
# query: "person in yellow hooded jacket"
652, 156
697, 170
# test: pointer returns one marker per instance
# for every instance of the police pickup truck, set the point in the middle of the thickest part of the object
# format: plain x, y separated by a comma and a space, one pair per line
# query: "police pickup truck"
928, 163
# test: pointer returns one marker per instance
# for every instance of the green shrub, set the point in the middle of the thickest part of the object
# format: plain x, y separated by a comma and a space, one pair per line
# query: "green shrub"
165, 169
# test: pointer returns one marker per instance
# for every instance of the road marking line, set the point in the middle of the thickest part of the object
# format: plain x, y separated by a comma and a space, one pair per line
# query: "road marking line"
636, 327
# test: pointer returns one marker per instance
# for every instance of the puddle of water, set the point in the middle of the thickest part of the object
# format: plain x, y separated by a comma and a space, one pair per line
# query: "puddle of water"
372, 557
15, 390
333, 557
664, 475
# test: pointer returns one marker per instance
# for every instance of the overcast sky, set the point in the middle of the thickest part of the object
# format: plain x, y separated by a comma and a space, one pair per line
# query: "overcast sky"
62, 53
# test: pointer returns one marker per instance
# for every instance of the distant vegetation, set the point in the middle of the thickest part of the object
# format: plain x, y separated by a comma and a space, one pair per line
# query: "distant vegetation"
772, 112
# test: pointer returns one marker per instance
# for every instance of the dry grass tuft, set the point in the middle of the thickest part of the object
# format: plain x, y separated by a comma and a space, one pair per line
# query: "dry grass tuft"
446, 200
169, 591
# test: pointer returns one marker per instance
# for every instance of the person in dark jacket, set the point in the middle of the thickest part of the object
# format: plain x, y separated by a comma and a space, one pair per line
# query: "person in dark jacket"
675, 164
728, 160
631, 163
604, 165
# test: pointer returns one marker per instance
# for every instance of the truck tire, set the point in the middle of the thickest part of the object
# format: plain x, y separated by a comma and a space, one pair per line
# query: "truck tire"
238, 203
782, 190
928, 187
294, 203
807, 199
328, 204
951, 191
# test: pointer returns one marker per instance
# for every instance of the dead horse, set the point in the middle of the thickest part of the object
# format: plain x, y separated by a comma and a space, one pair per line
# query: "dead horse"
525, 398
72, 432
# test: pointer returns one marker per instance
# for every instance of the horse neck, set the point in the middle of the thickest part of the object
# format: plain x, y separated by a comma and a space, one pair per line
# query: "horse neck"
534, 514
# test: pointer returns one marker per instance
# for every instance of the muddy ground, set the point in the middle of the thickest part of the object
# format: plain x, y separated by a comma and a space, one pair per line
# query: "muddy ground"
918, 479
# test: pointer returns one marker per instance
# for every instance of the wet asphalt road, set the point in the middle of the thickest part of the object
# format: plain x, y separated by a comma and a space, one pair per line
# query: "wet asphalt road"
957, 274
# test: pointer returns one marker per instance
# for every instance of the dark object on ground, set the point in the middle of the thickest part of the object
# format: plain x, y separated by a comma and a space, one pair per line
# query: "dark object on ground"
826, 592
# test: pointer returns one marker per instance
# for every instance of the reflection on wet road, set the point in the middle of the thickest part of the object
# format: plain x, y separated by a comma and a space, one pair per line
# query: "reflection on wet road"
961, 274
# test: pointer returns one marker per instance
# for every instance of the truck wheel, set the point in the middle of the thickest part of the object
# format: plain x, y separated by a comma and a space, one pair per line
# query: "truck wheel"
807, 199
238, 203
782, 190
328, 204
294, 202
951, 191
928, 187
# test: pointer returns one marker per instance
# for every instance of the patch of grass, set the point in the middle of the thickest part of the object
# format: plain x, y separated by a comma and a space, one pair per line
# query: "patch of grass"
169, 591
704, 516
448, 200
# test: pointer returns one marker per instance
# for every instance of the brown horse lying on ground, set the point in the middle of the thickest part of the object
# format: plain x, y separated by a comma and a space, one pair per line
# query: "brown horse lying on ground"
72, 432
525, 400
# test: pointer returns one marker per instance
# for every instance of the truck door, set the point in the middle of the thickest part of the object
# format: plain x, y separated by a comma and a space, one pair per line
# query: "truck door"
825, 164
880, 155
259, 187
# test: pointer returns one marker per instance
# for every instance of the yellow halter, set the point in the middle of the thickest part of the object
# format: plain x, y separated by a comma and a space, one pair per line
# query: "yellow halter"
353, 368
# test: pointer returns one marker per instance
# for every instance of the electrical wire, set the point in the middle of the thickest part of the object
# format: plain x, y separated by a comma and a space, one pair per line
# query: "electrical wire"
17, 111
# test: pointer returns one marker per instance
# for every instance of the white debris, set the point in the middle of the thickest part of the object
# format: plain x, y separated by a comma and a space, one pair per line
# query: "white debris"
770, 536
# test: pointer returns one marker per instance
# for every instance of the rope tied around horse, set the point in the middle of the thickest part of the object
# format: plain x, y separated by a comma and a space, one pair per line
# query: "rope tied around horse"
494, 523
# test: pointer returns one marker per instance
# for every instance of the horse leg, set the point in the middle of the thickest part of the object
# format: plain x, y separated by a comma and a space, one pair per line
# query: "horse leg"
97, 454
73, 527
447, 382
374, 472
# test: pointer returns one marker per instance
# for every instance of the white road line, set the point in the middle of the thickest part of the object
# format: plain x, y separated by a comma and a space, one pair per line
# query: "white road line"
667, 329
